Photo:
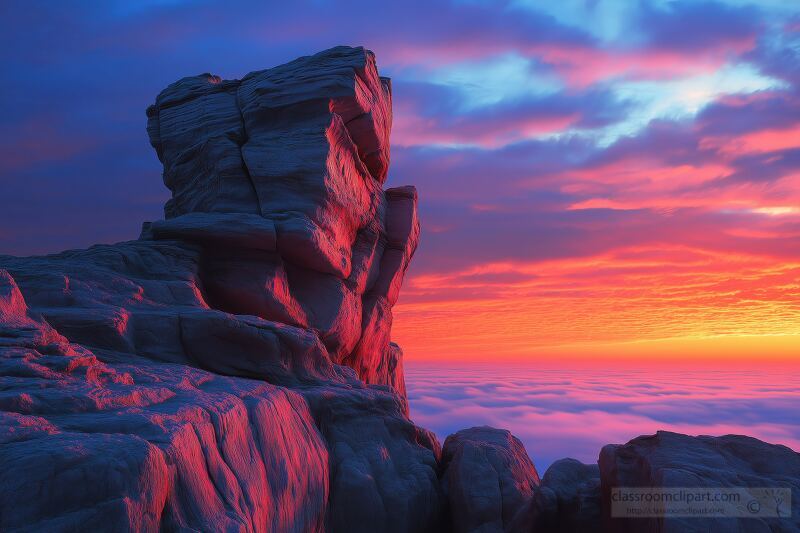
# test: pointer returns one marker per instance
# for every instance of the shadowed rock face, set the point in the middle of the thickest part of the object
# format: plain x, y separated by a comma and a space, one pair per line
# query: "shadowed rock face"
488, 479
568, 499
669, 459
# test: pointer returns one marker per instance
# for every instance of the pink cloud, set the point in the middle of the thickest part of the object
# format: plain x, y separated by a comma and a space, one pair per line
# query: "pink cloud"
755, 142
583, 66
413, 130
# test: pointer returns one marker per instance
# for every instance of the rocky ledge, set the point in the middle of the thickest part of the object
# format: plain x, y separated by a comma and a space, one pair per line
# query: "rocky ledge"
232, 369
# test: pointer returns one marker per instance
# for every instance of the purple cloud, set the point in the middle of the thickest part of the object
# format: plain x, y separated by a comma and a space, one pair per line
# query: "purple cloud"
697, 26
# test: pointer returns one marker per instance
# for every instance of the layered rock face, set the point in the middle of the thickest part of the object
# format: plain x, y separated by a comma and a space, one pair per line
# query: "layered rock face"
106, 440
232, 369
277, 179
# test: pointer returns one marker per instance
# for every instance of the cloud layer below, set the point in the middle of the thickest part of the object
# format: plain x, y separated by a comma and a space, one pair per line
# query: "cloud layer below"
573, 411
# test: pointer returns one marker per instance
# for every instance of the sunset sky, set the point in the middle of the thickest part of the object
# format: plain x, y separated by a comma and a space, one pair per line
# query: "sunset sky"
597, 178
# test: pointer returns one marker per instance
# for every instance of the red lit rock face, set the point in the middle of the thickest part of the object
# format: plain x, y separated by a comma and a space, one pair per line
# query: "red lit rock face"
146, 298
277, 179
139, 445
92, 436
305, 145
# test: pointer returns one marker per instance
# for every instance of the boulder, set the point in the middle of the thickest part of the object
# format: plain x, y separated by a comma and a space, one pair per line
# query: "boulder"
305, 145
487, 479
383, 467
567, 500
673, 460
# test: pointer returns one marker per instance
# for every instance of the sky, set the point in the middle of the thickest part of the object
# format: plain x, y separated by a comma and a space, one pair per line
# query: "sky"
597, 179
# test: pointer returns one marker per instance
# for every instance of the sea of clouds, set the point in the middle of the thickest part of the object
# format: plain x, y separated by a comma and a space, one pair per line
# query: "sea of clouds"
573, 412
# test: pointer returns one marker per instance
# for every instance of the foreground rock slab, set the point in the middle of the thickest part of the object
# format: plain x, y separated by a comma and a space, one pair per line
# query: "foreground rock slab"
103, 440
673, 460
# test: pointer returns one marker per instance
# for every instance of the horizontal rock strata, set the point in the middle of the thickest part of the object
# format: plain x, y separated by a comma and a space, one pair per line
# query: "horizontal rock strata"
277, 180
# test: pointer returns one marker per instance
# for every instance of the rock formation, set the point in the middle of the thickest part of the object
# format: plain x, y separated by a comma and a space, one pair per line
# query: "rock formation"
233, 370
277, 180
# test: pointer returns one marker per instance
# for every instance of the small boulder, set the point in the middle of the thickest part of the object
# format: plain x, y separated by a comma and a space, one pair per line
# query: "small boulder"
568, 499
487, 479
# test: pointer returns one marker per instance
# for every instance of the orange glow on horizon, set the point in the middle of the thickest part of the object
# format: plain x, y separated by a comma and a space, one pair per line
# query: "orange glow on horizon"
638, 303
